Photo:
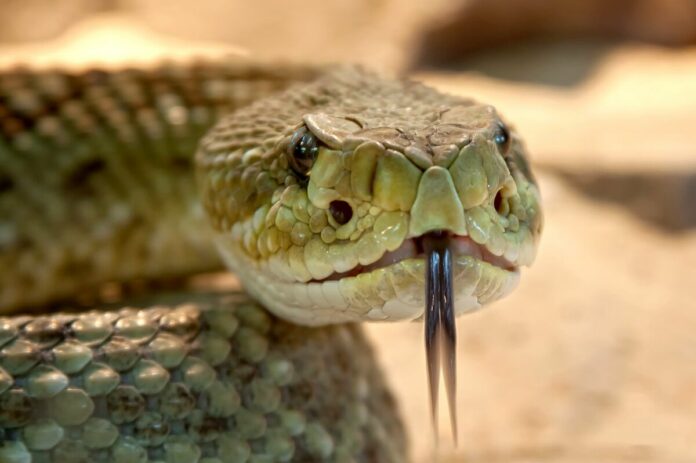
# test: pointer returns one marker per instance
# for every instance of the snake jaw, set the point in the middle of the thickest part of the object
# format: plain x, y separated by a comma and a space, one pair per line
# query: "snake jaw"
416, 248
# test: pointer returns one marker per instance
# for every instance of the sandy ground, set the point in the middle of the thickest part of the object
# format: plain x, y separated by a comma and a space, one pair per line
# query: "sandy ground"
593, 359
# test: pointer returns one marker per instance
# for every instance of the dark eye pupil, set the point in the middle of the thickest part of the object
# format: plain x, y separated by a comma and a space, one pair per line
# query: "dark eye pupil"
303, 151
341, 211
306, 148
502, 138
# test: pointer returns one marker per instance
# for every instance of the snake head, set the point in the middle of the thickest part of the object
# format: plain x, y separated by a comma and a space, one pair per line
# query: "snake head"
322, 196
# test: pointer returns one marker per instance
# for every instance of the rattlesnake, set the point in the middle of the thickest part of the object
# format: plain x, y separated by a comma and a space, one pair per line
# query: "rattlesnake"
330, 190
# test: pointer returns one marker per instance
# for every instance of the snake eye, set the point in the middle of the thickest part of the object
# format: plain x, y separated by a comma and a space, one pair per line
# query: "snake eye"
502, 138
302, 151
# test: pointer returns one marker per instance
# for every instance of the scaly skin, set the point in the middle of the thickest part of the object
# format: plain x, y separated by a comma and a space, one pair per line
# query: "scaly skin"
407, 159
96, 178
198, 378
97, 185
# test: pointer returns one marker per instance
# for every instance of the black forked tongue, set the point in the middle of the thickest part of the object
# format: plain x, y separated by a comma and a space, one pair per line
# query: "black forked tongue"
440, 330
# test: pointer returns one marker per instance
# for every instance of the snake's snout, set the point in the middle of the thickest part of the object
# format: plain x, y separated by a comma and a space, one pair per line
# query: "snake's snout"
437, 206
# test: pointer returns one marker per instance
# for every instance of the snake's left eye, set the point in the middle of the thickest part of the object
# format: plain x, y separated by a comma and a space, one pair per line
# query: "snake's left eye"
302, 151
502, 138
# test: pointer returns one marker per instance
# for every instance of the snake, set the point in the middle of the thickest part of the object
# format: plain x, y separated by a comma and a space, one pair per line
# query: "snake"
335, 194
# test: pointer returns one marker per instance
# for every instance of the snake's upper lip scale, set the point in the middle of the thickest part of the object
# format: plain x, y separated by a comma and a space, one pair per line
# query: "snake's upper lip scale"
465, 246
413, 248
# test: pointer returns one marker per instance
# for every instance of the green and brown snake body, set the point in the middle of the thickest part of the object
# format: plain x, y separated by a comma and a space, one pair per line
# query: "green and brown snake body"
334, 194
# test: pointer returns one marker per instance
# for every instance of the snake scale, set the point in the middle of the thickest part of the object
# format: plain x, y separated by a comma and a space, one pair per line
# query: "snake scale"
334, 194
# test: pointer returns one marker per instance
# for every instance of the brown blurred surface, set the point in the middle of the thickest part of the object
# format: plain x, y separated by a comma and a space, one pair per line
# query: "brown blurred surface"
379, 33
26, 20
593, 359
476, 25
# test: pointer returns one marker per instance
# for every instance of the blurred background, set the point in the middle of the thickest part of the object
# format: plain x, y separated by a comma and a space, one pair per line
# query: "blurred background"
593, 359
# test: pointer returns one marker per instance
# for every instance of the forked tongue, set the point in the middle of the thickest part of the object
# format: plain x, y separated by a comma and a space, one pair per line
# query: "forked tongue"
440, 330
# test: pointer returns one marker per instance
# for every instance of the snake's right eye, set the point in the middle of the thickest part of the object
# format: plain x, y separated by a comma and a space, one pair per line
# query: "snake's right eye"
302, 151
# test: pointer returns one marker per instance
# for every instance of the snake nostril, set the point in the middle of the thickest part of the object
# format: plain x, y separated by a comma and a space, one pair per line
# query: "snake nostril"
500, 204
341, 211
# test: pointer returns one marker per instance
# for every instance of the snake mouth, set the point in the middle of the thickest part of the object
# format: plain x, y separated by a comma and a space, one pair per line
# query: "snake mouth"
415, 248
437, 249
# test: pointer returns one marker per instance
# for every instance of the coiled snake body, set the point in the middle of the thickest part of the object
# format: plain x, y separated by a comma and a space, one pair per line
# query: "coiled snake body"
335, 195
